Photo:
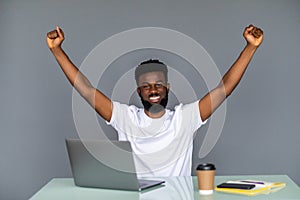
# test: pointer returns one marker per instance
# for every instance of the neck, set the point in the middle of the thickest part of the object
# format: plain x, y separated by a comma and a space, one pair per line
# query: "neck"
155, 115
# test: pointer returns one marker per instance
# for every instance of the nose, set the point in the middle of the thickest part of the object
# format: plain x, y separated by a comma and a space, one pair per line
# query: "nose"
153, 88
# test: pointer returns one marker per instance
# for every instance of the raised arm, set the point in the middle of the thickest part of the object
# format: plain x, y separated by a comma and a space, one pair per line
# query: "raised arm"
94, 97
212, 100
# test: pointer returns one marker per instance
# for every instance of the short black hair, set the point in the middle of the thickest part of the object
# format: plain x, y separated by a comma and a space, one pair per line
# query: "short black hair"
151, 65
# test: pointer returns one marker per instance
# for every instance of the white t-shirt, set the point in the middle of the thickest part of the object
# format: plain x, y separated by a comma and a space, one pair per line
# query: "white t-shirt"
163, 146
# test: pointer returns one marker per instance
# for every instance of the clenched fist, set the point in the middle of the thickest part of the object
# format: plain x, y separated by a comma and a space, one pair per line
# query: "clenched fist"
253, 35
52, 34
55, 38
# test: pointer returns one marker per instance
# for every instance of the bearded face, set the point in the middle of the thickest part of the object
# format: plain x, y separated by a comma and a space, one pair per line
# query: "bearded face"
153, 91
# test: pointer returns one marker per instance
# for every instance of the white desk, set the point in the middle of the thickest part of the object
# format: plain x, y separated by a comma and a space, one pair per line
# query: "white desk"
175, 188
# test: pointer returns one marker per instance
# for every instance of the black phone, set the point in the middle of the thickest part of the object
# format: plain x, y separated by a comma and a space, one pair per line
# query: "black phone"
236, 186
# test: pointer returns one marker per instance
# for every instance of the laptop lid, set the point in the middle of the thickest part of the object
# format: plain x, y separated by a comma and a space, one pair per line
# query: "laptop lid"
88, 171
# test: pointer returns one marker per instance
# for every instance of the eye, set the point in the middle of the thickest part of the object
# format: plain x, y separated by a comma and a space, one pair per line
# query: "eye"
146, 87
158, 85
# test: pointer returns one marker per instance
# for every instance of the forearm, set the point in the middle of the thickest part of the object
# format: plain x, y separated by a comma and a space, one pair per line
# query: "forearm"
94, 97
75, 77
233, 76
212, 100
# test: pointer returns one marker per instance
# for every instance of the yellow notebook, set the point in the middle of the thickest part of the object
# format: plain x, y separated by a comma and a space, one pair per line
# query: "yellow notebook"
261, 187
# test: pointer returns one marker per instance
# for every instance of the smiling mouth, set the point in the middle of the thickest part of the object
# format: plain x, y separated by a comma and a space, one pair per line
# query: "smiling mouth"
154, 99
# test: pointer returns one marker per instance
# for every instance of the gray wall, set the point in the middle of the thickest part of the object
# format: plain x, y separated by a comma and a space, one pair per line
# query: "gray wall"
261, 132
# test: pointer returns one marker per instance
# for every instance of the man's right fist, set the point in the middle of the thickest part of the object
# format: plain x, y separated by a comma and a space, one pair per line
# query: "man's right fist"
52, 34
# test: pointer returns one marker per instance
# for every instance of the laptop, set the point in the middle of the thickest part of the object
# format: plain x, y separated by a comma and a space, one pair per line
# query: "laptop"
88, 171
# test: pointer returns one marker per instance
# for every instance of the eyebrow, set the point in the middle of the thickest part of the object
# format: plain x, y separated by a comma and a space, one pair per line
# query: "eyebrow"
159, 81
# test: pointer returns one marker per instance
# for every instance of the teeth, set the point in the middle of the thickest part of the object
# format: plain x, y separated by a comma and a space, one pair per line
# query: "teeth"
154, 98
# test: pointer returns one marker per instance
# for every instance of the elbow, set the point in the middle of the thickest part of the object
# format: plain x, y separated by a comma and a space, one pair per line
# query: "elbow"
226, 89
87, 93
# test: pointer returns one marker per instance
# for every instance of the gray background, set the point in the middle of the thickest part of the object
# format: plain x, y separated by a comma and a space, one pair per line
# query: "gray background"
261, 132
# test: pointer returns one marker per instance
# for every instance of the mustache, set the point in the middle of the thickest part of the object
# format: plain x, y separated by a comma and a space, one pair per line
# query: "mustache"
155, 108
153, 95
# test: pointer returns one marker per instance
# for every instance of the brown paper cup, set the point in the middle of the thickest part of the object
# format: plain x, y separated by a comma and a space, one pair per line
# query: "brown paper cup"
206, 177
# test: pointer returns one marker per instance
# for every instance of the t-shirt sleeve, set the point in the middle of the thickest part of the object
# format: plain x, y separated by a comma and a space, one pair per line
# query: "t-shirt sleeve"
118, 113
121, 119
191, 113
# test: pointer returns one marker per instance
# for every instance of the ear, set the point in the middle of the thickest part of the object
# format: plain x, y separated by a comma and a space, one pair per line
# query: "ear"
168, 87
138, 90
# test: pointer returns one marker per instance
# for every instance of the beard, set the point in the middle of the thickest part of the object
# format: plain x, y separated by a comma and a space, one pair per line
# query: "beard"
155, 108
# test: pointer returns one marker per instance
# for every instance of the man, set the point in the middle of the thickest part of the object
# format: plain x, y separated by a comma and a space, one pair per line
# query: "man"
161, 139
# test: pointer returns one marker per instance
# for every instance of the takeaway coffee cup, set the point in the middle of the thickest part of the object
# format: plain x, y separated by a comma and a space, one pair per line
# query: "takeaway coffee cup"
206, 176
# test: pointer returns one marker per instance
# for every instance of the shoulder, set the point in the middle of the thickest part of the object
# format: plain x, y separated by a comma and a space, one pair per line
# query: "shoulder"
124, 109
123, 112
122, 106
187, 107
189, 111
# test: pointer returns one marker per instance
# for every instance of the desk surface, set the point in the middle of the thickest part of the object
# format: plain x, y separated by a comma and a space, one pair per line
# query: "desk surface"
174, 188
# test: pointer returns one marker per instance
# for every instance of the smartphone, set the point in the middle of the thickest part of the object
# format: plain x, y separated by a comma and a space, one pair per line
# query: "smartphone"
236, 186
